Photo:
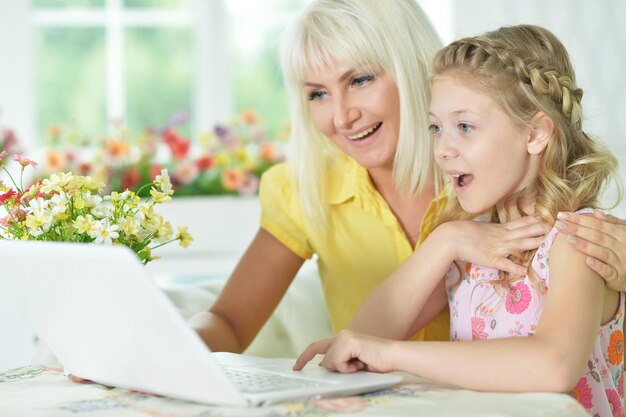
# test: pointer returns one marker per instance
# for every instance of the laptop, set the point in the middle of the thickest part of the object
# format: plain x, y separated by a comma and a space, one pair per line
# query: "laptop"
106, 320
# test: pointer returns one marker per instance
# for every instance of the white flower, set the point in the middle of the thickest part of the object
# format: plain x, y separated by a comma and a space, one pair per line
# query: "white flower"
104, 232
163, 181
59, 206
100, 211
92, 200
37, 204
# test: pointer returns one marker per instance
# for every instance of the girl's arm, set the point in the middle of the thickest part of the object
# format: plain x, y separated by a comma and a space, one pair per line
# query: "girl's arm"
415, 293
603, 239
251, 294
552, 360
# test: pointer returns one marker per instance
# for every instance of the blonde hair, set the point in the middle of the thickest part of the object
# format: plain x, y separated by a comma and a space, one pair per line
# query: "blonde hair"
527, 70
394, 36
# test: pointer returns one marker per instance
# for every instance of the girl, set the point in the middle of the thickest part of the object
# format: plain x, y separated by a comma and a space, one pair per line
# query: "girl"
507, 125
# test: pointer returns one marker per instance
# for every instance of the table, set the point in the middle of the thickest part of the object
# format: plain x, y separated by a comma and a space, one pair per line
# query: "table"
43, 391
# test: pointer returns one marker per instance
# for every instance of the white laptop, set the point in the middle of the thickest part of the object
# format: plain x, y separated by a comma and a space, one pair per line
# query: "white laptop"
106, 320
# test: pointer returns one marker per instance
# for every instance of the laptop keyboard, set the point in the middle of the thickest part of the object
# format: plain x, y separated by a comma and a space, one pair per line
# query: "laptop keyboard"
256, 382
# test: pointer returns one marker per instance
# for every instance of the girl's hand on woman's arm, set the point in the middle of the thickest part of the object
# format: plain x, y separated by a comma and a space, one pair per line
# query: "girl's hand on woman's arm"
603, 239
496, 245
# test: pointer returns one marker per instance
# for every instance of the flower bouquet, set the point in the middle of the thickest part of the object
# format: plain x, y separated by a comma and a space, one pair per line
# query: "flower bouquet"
228, 160
73, 208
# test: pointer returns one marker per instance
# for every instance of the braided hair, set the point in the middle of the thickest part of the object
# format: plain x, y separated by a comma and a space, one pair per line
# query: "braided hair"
527, 70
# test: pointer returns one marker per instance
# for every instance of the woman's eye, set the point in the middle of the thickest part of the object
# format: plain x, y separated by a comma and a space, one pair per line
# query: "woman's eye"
434, 129
362, 80
317, 95
465, 127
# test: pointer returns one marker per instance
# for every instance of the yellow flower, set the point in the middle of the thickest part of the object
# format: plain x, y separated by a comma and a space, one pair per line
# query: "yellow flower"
37, 220
58, 182
147, 211
129, 226
159, 197
79, 203
184, 237
85, 224
221, 159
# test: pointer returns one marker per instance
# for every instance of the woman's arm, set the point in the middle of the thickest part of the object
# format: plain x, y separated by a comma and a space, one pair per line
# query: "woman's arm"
552, 360
603, 239
251, 294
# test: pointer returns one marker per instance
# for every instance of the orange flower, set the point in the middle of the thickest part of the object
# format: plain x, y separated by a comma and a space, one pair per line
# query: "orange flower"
616, 347
232, 179
117, 149
250, 116
268, 152
55, 161
54, 131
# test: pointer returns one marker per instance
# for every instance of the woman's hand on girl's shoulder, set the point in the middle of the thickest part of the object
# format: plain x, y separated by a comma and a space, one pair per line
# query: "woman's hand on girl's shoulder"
602, 238
496, 245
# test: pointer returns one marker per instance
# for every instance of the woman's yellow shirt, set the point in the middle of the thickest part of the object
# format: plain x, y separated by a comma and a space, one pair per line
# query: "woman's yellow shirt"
363, 245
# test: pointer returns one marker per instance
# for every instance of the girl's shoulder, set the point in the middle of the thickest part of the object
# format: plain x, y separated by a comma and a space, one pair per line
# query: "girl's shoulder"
541, 258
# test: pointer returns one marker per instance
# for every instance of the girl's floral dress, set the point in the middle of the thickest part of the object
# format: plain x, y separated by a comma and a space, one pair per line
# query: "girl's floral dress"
479, 310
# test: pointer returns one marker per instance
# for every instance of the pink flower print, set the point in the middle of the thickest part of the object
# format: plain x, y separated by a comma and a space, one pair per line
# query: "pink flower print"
614, 402
342, 405
518, 298
620, 385
478, 327
517, 330
582, 393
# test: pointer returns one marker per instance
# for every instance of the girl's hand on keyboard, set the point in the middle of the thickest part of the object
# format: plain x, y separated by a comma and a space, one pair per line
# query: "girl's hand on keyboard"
350, 352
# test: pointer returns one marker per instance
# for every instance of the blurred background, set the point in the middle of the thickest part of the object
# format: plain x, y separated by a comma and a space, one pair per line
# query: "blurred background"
121, 88
83, 70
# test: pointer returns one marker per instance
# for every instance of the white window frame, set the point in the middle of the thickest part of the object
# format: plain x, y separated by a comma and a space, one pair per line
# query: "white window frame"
211, 85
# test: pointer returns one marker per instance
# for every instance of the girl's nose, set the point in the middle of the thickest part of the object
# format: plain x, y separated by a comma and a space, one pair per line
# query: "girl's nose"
444, 148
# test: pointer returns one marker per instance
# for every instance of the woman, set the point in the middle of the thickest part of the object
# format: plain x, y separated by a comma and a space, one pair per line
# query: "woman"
359, 185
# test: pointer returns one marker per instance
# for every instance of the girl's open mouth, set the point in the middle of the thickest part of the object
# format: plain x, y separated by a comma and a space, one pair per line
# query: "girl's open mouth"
461, 180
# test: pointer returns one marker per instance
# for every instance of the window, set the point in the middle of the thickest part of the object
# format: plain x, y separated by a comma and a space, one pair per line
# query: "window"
140, 62
86, 63
101, 61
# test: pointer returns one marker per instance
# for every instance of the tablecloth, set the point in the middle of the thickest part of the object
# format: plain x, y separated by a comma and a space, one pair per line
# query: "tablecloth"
44, 391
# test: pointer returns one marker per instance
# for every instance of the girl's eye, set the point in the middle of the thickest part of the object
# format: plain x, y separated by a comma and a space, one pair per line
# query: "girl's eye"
465, 127
434, 128
317, 95
362, 80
